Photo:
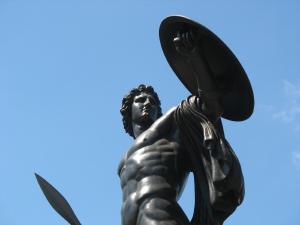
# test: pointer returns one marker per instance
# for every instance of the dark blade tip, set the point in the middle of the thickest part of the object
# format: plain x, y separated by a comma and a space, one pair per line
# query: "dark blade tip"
39, 179
37, 176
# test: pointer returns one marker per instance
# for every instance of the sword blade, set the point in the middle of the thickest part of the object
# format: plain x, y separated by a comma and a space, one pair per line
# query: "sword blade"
57, 201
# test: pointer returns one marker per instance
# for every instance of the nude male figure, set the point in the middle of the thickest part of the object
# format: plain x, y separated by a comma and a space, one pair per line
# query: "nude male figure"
154, 169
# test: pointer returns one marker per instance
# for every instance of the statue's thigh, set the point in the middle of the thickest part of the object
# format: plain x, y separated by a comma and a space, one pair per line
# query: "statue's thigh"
160, 211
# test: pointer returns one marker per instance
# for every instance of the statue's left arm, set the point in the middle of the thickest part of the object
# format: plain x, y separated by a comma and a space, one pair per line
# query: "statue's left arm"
212, 158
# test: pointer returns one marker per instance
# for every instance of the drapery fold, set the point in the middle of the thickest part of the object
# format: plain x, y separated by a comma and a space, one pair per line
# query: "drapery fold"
219, 184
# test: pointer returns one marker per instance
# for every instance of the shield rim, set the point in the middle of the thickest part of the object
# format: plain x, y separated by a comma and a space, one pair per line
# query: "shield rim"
246, 111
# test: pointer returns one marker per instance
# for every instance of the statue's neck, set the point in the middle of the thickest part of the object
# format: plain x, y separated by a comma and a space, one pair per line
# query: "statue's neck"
139, 128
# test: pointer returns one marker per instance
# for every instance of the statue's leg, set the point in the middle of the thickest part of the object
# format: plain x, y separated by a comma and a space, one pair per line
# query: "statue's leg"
161, 211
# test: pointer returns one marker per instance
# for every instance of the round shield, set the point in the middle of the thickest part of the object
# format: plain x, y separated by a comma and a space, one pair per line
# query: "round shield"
223, 68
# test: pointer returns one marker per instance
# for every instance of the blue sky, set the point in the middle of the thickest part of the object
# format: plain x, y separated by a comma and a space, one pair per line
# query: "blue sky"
65, 66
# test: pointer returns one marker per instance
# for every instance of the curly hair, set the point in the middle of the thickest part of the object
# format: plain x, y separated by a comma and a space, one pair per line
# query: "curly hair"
127, 102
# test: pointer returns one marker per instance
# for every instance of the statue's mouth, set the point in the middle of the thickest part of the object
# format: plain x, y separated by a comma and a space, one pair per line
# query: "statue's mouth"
146, 109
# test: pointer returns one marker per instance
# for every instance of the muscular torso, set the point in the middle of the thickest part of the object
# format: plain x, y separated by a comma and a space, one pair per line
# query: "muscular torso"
154, 169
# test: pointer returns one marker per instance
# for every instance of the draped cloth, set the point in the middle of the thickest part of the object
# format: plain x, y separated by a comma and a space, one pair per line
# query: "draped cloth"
218, 179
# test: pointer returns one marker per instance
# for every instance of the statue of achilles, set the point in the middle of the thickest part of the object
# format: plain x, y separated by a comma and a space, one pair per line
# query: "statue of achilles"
187, 138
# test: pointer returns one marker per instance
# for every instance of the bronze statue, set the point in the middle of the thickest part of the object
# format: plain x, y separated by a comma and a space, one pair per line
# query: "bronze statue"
187, 138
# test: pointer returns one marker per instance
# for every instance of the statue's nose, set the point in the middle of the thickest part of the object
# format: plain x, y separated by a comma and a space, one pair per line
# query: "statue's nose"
147, 102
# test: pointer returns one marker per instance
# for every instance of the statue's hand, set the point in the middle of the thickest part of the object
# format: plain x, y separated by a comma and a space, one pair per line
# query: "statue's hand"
211, 107
185, 44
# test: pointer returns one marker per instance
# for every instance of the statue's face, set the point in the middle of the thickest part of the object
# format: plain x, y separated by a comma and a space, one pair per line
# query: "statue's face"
144, 108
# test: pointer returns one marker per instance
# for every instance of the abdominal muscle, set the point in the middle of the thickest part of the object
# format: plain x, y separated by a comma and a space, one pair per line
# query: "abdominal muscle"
152, 176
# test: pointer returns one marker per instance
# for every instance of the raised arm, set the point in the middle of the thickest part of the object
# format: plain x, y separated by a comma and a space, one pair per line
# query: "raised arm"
208, 99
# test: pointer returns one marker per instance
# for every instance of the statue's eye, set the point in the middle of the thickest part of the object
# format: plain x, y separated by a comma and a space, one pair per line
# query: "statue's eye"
140, 99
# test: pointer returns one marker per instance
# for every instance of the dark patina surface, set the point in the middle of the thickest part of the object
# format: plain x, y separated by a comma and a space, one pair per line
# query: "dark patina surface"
187, 138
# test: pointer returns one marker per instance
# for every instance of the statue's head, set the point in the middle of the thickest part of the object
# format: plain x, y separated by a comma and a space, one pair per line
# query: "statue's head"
141, 106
